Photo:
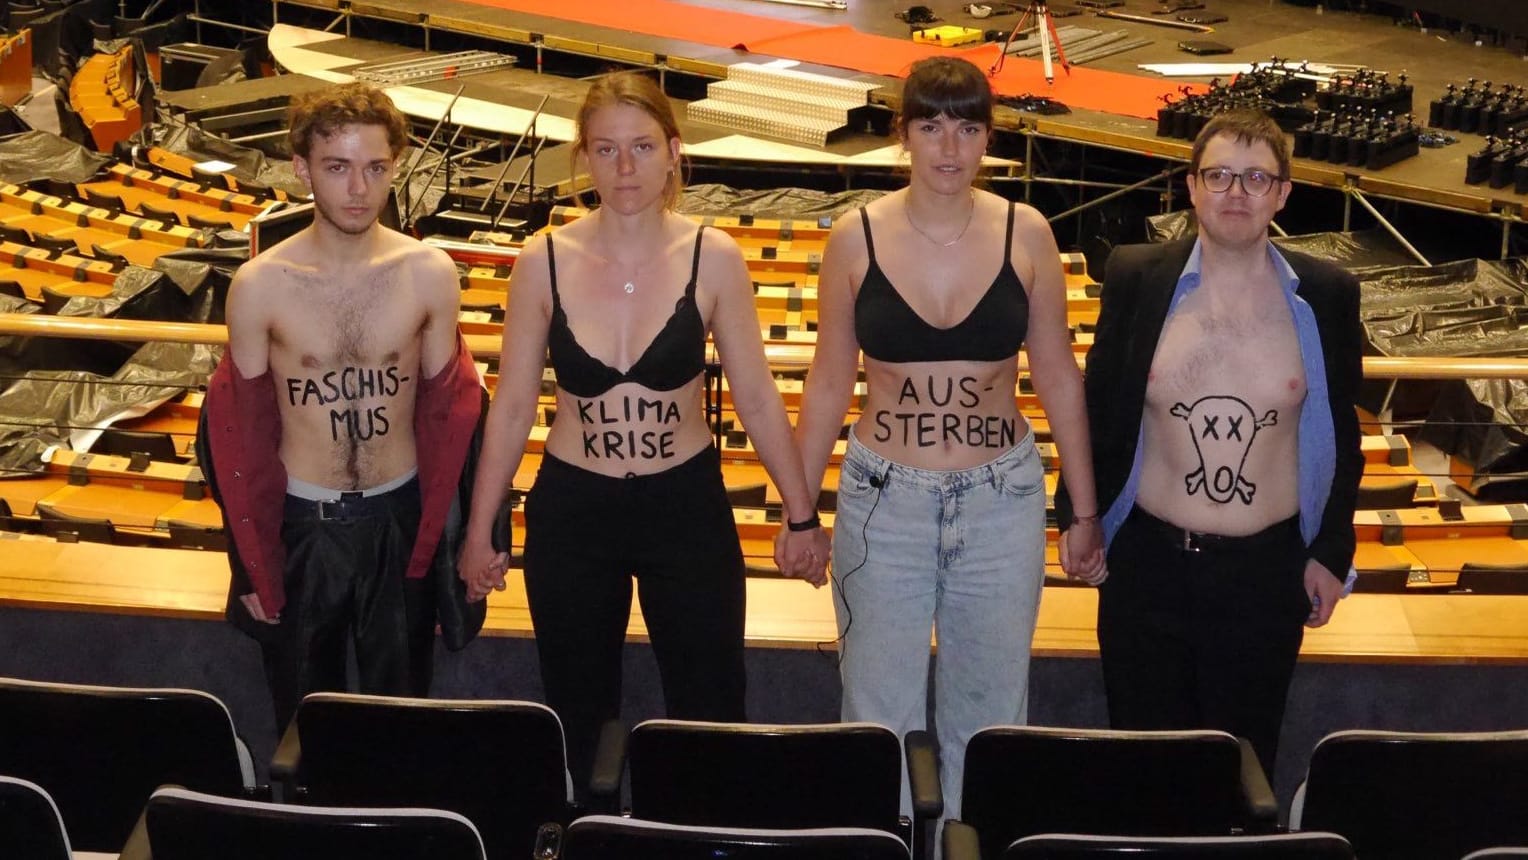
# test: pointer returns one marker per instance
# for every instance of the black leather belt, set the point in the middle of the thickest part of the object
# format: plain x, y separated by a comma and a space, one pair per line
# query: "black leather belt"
1192, 541
349, 506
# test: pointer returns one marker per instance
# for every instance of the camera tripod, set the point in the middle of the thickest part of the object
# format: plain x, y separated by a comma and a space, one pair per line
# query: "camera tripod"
1040, 15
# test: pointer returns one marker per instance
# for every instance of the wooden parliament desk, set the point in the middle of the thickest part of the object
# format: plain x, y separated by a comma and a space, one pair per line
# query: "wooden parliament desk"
1430, 629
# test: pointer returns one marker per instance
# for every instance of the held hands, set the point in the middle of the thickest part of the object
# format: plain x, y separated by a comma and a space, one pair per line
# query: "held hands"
1082, 551
481, 569
803, 555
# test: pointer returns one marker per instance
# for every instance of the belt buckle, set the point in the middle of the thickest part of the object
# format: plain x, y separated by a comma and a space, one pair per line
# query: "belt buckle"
335, 509
1191, 542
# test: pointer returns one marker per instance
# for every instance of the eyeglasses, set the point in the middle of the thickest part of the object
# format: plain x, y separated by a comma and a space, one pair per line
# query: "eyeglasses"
1254, 183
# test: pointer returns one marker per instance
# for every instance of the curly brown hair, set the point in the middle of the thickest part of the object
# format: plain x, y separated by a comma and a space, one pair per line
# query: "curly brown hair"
324, 112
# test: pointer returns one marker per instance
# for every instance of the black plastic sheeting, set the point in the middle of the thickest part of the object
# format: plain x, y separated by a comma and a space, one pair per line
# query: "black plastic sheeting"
1467, 309
52, 407
1354, 251
248, 164
35, 155
797, 203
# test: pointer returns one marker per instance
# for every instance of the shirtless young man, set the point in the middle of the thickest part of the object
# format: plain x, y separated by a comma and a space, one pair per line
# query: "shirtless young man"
1220, 391
343, 354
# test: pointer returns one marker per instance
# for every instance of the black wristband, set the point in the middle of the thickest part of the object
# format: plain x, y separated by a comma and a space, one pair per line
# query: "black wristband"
806, 525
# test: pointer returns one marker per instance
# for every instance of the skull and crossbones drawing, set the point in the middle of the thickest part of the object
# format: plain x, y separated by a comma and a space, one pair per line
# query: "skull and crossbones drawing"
1222, 434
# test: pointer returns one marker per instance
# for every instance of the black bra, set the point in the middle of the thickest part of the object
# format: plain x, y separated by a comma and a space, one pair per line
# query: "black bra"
889, 329
676, 356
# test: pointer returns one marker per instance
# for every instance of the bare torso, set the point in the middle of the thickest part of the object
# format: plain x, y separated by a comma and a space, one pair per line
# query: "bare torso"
941, 415
1220, 428
630, 429
345, 349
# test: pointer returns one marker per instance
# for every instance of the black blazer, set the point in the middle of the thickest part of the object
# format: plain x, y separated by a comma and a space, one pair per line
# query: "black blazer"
1138, 285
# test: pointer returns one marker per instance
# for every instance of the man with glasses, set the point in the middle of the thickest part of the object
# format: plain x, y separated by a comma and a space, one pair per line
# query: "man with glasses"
1220, 389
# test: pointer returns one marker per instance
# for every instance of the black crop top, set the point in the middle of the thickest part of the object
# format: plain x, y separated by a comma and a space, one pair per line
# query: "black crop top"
676, 356
889, 329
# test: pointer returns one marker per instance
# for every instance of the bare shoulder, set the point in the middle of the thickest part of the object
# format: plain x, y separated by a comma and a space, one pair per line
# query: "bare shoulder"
1027, 220
255, 277
846, 240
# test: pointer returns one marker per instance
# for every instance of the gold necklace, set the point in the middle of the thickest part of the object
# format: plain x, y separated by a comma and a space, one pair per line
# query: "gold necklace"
970, 214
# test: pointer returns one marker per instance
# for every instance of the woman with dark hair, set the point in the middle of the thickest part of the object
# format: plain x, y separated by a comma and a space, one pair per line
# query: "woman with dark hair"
630, 484
941, 496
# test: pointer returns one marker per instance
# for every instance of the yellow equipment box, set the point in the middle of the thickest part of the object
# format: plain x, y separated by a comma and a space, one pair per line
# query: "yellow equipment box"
948, 35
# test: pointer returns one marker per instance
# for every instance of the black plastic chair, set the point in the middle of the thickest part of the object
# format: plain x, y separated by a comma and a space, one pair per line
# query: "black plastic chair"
1024, 780
1395, 492
102, 200
12, 289
1417, 794
1390, 580
55, 245
30, 826
167, 216
499, 763
101, 751
780, 776
15, 234
184, 535
747, 496
185, 825
1067, 846
1483, 578
117, 442
1497, 853
605, 837
72, 529
117, 260
200, 223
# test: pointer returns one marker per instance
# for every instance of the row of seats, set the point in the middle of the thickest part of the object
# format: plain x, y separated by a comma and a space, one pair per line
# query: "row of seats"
100, 752
104, 94
183, 825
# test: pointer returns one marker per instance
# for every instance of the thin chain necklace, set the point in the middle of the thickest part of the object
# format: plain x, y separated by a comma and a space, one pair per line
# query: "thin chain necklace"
636, 268
970, 213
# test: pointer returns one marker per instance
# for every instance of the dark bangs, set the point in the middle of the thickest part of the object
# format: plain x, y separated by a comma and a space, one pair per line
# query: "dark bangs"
946, 86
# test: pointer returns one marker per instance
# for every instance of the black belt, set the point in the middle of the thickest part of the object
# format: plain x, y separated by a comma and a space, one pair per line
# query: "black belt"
349, 506
1192, 541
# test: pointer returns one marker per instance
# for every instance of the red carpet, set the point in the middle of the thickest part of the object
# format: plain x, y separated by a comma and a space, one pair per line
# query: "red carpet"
843, 47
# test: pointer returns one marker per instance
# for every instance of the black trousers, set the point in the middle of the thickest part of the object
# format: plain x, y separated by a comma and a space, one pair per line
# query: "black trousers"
586, 537
345, 586
1202, 638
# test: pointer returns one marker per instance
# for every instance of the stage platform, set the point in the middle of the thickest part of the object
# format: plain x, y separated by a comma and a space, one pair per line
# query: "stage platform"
1256, 29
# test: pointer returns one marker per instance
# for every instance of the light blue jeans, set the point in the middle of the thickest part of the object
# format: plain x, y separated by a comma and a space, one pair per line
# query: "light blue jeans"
959, 552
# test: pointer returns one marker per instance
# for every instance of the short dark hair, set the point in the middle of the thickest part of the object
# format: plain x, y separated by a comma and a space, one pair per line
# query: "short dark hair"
945, 86
326, 111
1244, 126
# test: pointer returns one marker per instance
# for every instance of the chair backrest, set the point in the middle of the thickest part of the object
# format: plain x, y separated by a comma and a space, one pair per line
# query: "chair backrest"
499, 763
30, 825
1284, 846
773, 776
606, 837
188, 825
1417, 794
1020, 781
68, 527
1491, 579
101, 751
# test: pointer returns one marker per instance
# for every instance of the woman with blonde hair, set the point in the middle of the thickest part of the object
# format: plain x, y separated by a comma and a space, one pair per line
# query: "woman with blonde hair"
630, 484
